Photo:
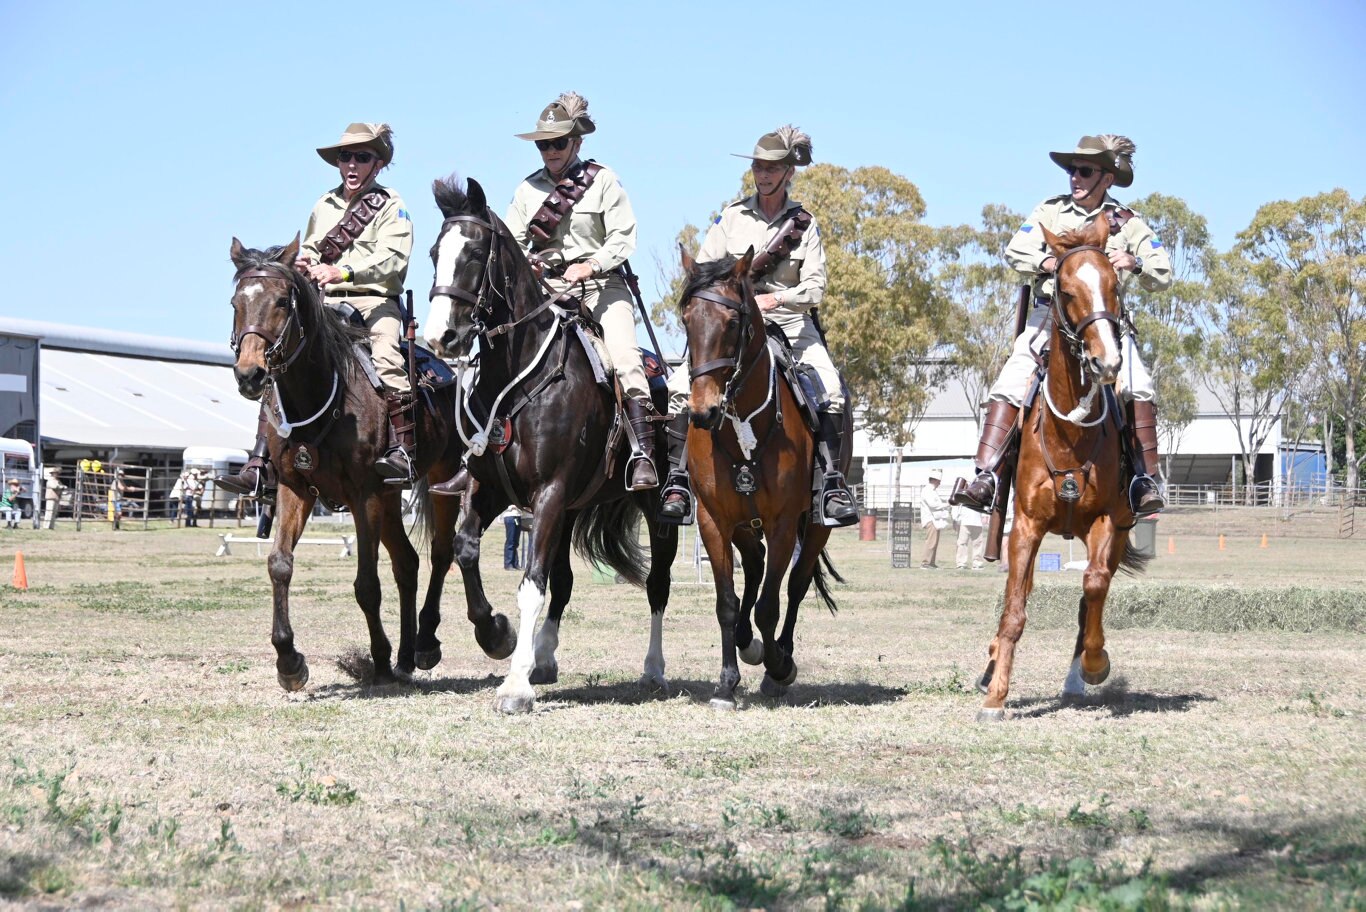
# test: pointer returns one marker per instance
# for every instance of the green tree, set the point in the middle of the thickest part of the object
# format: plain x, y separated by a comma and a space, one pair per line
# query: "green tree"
1312, 253
1167, 321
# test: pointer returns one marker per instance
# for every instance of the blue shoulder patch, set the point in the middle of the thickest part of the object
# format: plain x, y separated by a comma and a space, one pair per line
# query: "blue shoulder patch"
403, 214
1156, 243
1026, 228
716, 221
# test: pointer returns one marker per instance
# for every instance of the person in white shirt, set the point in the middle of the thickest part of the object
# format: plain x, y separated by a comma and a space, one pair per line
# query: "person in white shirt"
934, 516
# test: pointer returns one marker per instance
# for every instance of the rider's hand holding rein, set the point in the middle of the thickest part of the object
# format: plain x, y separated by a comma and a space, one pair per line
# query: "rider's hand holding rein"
1123, 259
767, 302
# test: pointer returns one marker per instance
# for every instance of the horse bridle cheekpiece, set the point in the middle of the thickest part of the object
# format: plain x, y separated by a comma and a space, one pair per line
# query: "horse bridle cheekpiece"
742, 339
479, 300
1072, 332
275, 359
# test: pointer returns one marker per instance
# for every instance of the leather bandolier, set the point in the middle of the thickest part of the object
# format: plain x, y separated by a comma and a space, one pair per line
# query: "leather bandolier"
358, 215
569, 190
780, 247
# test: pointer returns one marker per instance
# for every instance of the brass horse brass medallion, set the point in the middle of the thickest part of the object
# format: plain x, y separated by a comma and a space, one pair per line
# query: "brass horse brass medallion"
1069, 491
745, 482
303, 459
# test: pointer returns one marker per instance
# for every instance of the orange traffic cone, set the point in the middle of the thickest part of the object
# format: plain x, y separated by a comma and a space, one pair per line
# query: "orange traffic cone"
20, 580
1171, 544
1221, 542
1263, 539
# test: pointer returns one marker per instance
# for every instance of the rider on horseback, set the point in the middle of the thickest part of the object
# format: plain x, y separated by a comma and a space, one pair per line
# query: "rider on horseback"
1134, 250
581, 255
789, 287
356, 247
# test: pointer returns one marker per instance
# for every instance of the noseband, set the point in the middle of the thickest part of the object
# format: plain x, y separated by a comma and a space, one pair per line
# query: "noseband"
1071, 332
742, 340
275, 359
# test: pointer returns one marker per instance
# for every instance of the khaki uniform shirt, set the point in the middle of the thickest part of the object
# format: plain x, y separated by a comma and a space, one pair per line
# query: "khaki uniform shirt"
1060, 214
798, 281
601, 226
379, 257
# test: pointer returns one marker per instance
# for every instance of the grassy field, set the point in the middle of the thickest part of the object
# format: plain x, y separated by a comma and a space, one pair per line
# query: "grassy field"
149, 759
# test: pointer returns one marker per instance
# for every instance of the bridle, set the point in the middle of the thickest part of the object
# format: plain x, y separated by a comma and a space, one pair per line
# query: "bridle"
480, 301
275, 359
1072, 332
742, 342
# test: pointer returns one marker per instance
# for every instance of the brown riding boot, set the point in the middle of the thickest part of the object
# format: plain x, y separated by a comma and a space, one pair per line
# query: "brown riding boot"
396, 467
256, 478
642, 465
677, 504
1143, 493
997, 427
453, 486
837, 505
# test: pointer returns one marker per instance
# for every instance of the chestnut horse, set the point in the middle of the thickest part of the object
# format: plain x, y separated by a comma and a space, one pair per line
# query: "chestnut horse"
300, 355
1070, 478
754, 488
543, 433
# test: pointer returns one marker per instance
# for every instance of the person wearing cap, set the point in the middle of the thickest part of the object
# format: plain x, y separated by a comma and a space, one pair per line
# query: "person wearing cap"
787, 294
1137, 254
934, 516
582, 256
9, 504
52, 495
368, 275
972, 539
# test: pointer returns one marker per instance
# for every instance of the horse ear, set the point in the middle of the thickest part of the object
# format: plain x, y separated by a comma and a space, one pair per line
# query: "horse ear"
289, 253
689, 264
238, 253
742, 265
475, 194
1098, 232
1053, 242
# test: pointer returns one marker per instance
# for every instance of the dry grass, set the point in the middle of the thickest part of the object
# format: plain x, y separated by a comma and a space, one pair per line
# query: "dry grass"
150, 760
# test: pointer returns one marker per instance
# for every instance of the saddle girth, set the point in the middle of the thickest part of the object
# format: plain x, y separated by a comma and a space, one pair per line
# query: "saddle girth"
358, 215
788, 237
560, 202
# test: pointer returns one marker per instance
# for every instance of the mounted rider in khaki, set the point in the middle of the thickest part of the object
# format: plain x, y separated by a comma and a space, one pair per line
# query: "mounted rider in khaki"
1136, 253
789, 282
356, 248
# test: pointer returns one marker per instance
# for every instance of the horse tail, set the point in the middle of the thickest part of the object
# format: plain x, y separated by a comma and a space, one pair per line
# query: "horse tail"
1134, 562
830, 565
823, 585
422, 512
607, 534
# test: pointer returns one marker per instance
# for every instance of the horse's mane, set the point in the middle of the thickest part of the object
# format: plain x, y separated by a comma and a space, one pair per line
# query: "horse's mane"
330, 340
706, 275
452, 200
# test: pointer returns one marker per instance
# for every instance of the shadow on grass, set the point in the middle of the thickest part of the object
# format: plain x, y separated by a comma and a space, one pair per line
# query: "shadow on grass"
1116, 700
800, 695
18, 873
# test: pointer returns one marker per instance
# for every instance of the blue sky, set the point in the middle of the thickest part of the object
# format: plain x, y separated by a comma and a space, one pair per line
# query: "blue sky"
141, 137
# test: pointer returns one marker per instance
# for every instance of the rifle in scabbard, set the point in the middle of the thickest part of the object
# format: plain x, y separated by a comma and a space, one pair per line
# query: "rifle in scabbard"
633, 283
411, 336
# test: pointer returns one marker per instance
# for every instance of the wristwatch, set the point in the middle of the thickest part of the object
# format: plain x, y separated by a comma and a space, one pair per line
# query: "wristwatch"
1138, 265
346, 274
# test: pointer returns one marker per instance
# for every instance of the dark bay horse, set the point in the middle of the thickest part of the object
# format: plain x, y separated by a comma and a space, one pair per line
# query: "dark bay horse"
1070, 476
543, 433
329, 427
737, 391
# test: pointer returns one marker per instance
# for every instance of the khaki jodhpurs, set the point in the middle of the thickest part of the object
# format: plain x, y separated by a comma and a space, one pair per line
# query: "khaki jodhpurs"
609, 302
1134, 380
384, 319
806, 345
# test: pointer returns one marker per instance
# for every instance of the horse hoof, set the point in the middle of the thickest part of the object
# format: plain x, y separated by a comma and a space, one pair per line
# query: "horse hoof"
1097, 677
984, 683
752, 654
514, 705
296, 681
771, 688
991, 715
503, 641
722, 704
654, 683
427, 659
787, 679
548, 675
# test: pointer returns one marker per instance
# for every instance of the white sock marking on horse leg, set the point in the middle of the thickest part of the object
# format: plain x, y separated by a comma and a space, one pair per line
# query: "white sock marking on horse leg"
1090, 277
1073, 685
518, 681
654, 657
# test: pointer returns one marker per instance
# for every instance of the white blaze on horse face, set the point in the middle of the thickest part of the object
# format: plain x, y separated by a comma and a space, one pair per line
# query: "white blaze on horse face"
1089, 276
251, 291
448, 251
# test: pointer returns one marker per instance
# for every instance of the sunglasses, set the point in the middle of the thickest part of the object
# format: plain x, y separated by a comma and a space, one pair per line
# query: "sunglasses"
1085, 172
559, 145
361, 158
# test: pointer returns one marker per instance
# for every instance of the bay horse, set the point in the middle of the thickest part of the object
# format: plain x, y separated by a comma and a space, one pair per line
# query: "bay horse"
296, 352
750, 455
544, 433
1070, 475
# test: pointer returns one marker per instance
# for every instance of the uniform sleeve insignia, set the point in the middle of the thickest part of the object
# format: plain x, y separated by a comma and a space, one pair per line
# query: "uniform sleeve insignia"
403, 214
1026, 228
716, 221
1156, 243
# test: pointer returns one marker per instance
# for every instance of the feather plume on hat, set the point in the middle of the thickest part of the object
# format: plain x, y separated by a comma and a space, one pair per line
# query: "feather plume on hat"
1121, 146
575, 105
797, 142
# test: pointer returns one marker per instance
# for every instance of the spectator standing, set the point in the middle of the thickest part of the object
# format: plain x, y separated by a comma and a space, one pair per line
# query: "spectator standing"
513, 534
191, 487
934, 516
52, 495
972, 539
